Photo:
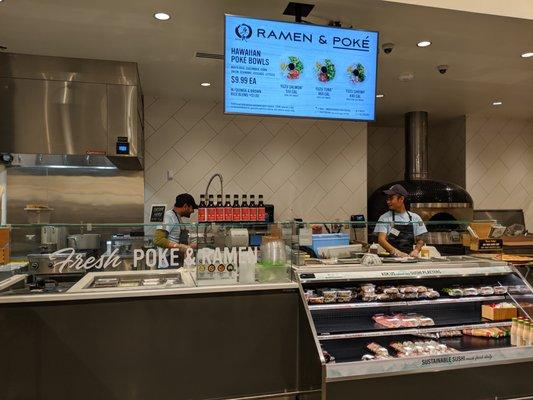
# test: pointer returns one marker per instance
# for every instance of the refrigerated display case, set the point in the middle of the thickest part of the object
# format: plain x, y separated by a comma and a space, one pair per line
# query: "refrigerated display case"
381, 323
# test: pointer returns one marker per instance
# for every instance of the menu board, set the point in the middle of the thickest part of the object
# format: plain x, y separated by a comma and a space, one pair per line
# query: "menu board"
299, 70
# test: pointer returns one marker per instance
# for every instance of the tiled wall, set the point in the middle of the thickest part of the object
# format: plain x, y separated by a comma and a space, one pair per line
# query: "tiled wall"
313, 169
499, 164
446, 153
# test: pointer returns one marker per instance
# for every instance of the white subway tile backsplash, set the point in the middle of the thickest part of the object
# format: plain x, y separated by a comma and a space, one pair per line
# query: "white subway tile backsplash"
333, 145
513, 153
308, 172
256, 155
224, 142
161, 111
307, 144
167, 194
326, 126
280, 172
507, 146
229, 166
283, 199
254, 170
216, 118
301, 125
253, 142
274, 124
333, 201
192, 112
164, 138
514, 177
246, 122
156, 176
279, 145
195, 140
354, 129
355, 149
194, 170
333, 173
356, 175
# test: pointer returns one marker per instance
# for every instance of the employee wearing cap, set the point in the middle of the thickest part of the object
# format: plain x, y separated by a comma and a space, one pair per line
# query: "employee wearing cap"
398, 229
172, 235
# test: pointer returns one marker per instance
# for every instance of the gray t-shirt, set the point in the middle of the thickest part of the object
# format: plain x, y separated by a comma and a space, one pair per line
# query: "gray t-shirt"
386, 222
171, 224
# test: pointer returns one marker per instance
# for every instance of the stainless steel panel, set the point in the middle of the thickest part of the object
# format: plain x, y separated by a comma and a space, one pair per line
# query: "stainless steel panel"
416, 145
77, 194
123, 120
29, 66
52, 117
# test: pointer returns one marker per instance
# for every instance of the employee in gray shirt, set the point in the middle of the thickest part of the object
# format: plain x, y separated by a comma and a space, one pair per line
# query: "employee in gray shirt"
400, 232
172, 234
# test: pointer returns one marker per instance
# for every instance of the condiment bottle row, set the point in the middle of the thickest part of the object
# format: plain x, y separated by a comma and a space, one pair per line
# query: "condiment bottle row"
231, 212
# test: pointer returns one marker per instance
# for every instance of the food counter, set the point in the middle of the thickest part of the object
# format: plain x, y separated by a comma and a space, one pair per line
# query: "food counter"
338, 327
405, 327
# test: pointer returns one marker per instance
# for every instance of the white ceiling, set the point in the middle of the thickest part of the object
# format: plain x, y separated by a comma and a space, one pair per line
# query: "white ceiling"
483, 51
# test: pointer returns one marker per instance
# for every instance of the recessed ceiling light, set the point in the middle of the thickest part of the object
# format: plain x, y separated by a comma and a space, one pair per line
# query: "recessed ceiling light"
424, 43
379, 96
527, 55
205, 84
497, 103
161, 16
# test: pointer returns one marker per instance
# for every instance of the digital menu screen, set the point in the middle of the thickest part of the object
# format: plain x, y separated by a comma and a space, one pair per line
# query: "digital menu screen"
299, 70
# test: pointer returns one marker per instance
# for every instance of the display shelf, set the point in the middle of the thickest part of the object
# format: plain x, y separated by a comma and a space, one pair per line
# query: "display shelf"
413, 331
361, 304
350, 350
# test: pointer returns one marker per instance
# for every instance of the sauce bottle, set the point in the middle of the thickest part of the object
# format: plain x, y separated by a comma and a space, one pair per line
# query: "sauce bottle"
202, 211
220, 209
228, 211
261, 209
236, 208
245, 209
253, 208
211, 210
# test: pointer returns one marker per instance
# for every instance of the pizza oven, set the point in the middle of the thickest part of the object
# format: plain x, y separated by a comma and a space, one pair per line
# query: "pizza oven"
435, 201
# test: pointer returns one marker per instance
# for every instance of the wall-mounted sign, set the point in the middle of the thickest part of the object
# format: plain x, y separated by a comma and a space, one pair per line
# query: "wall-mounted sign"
158, 212
299, 70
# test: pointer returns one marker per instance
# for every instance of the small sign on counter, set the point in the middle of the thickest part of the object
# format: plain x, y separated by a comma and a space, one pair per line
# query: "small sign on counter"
158, 212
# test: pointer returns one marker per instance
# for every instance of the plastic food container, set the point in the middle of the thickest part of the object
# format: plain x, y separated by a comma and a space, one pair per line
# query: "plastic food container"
329, 240
330, 296
344, 296
316, 300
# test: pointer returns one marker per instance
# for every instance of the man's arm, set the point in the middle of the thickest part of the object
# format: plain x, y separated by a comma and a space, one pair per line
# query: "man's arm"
161, 240
420, 242
382, 240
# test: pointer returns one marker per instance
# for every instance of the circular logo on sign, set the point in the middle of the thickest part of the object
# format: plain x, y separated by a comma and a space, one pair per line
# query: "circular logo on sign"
243, 31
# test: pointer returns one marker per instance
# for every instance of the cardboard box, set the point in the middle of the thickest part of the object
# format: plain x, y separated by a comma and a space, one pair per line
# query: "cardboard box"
5, 240
498, 314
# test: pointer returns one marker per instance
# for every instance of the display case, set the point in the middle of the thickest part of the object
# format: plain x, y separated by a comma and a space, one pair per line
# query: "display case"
394, 319
60, 258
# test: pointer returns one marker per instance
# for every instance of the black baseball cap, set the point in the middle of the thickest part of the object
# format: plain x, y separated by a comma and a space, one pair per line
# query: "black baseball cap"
396, 189
185, 198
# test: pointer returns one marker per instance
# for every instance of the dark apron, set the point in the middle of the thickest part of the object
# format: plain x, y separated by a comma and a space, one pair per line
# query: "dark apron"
183, 239
406, 236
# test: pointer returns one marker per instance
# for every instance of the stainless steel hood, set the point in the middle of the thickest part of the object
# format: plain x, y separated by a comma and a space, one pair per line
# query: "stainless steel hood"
71, 107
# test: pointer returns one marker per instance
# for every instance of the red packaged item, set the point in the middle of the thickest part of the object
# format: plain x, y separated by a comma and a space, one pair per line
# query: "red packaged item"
219, 209
236, 208
228, 211
211, 210
202, 210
